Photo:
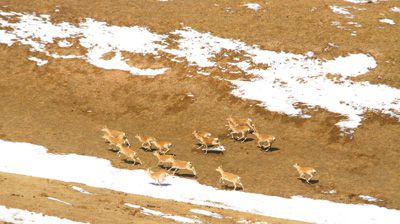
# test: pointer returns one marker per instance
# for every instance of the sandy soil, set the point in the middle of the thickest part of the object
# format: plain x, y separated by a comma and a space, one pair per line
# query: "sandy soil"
64, 104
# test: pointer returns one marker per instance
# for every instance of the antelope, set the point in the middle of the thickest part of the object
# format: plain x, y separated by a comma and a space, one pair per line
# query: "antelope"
243, 130
241, 122
146, 141
201, 134
205, 142
130, 153
162, 145
163, 159
114, 133
114, 141
158, 176
305, 170
182, 165
233, 178
264, 138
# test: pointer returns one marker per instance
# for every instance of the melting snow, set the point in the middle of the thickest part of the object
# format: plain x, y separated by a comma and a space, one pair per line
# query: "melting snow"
289, 80
369, 198
97, 37
176, 218
341, 10
38, 61
395, 9
360, 1
33, 160
58, 200
64, 43
253, 6
19, 216
388, 21
207, 213
81, 190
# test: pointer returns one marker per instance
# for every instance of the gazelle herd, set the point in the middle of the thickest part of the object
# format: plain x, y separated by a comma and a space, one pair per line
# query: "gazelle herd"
239, 129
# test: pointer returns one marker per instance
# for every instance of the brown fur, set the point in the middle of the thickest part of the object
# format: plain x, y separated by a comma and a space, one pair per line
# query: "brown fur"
163, 159
182, 165
146, 141
302, 170
233, 178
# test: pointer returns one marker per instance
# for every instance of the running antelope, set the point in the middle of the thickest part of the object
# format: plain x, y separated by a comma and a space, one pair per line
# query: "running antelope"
201, 134
163, 159
114, 141
182, 165
305, 170
146, 141
241, 122
158, 176
162, 146
242, 130
130, 153
264, 139
206, 142
230, 177
114, 133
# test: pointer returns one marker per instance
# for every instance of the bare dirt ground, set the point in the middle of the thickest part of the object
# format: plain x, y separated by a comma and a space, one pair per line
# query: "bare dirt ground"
64, 104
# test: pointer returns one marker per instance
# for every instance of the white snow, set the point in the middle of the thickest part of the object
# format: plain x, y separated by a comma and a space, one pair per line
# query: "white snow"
361, 1
289, 80
395, 9
19, 216
369, 198
33, 160
64, 43
253, 6
341, 10
98, 37
333, 191
176, 218
58, 200
81, 190
39, 62
388, 21
207, 213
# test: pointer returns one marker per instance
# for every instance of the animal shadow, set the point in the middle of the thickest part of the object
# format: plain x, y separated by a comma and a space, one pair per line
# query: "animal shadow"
310, 182
161, 185
247, 140
185, 175
113, 150
147, 149
231, 187
272, 149
131, 162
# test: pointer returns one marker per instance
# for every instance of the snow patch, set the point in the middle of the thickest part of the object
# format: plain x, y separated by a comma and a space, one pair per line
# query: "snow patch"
33, 160
176, 218
58, 200
97, 37
253, 6
207, 213
341, 10
289, 80
395, 9
39, 62
361, 1
64, 43
369, 198
388, 21
81, 190
18, 216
